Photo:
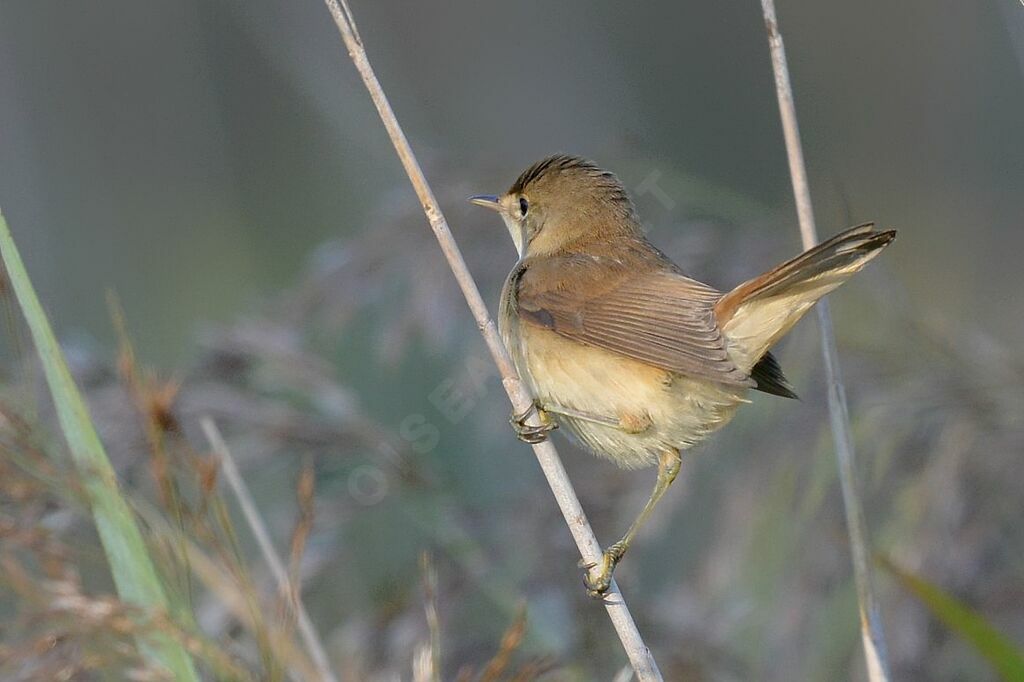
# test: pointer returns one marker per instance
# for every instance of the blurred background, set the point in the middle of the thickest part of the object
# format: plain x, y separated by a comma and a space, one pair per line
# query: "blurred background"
218, 166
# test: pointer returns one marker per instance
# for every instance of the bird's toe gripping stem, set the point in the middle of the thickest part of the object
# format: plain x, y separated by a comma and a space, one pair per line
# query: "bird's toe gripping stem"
529, 433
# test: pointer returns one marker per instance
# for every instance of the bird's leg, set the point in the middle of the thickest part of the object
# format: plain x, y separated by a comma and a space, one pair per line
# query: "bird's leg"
582, 416
631, 422
597, 584
536, 434
529, 433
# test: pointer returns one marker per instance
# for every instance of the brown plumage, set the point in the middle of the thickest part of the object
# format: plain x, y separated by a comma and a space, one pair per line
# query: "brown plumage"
632, 356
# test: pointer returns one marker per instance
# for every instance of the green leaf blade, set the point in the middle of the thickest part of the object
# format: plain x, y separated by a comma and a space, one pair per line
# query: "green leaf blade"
132, 568
974, 628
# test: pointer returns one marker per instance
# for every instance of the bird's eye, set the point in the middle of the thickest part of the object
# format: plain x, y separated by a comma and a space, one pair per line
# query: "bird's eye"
524, 206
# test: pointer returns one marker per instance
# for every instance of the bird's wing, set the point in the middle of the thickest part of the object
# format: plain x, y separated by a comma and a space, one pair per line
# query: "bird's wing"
657, 316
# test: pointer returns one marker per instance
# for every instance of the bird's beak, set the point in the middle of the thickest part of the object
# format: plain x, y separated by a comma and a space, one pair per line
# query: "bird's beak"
486, 200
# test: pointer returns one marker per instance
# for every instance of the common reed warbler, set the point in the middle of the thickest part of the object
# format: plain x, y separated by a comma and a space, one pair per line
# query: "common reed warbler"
619, 346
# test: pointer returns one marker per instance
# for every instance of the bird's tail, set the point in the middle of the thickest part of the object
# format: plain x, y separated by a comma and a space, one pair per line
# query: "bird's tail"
757, 313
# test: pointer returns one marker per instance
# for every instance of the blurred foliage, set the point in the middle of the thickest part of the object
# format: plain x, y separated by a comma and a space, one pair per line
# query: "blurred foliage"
1005, 657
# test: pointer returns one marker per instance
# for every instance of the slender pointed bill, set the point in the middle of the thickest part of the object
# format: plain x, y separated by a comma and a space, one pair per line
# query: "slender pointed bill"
486, 200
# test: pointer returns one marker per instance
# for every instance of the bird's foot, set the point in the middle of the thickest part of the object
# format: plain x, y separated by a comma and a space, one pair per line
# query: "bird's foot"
529, 433
597, 584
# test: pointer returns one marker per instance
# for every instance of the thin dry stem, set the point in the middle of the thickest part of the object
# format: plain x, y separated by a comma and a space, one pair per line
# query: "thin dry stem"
303, 527
871, 623
510, 642
238, 598
639, 655
310, 638
430, 609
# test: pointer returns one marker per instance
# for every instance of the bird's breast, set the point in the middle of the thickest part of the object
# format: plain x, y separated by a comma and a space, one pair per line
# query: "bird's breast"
651, 408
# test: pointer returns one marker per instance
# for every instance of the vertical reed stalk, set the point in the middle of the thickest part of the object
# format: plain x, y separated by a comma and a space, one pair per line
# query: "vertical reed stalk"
871, 623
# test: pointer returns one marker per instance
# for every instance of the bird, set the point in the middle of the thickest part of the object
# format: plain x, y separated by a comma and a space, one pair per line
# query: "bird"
634, 358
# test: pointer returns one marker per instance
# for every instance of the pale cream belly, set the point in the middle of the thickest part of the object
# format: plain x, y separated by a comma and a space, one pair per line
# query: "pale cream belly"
657, 409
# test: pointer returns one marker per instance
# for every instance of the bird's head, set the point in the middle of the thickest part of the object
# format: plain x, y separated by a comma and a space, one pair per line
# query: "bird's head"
561, 203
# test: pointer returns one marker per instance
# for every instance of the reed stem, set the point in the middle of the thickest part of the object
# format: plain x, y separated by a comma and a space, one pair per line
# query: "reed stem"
872, 634
639, 655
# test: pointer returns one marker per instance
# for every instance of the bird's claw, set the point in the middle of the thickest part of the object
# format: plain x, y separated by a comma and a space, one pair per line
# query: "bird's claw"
598, 585
529, 433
